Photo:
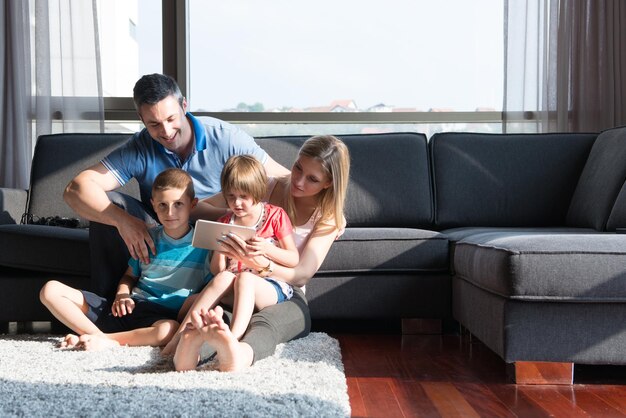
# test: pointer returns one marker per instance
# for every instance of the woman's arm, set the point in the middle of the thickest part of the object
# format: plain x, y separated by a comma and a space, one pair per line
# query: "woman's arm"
285, 254
311, 258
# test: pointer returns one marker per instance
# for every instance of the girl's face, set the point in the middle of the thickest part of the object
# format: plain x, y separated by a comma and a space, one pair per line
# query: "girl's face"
308, 177
242, 204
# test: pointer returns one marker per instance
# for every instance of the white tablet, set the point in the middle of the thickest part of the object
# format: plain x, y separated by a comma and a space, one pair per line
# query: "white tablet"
207, 234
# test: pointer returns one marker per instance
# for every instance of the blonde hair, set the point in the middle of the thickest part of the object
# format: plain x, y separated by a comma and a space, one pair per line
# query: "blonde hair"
333, 156
174, 178
246, 174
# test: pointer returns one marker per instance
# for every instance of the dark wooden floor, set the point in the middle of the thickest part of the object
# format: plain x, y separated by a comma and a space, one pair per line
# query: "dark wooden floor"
457, 376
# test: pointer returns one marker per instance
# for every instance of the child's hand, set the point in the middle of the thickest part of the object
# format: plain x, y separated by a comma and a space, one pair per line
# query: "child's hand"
257, 246
122, 305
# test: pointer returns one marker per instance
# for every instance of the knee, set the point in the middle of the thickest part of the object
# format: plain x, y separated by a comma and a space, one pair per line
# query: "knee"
224, 279
50, 291
165, 330
245, 279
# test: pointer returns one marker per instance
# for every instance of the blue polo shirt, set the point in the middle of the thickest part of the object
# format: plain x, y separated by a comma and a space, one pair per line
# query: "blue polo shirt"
143, 158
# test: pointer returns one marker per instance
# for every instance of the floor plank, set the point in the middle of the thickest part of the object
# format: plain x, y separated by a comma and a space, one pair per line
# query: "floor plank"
452, 375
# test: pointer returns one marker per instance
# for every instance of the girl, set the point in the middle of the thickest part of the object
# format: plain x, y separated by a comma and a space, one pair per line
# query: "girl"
313, 196
244, 184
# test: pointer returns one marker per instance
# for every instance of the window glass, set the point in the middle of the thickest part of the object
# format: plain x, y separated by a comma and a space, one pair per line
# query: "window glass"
345, 56
130, 43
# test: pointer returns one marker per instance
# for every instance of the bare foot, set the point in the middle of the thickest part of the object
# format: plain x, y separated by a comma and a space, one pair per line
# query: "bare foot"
70, 341
188, 350
232, 355
96, 342
170, 347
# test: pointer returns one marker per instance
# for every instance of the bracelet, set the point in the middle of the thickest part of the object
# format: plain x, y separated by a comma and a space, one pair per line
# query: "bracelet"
266, 271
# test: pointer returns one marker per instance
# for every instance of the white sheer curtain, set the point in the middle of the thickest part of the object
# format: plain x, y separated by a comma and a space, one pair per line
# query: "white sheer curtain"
565, 65
54, 81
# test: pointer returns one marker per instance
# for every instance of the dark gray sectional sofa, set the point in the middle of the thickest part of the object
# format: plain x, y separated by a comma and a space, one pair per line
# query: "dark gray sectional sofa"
515, 236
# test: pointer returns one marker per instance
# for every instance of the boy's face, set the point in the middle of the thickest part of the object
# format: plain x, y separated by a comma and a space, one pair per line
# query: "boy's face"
173, 207
241, 203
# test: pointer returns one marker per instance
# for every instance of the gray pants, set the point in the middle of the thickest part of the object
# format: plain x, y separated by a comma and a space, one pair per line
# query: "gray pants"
271, 326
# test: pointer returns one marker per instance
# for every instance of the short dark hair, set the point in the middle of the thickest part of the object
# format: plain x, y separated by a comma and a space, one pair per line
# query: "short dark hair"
152, 88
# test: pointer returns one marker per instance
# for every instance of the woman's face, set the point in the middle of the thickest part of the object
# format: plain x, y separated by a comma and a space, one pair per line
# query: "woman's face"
308, 177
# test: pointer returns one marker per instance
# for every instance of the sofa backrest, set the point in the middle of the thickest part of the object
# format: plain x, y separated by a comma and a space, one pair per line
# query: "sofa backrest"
389, 178
57, 159
600, 182
514, 180
617, 218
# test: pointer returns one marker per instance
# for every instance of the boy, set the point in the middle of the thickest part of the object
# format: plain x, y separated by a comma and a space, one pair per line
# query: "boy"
150, 295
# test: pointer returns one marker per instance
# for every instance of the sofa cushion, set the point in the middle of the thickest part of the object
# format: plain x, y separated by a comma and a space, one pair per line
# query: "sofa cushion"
617, 218
549, 266
600, 181
457, 234
513, 180
387, 249
45, 248
57, 159
396, 194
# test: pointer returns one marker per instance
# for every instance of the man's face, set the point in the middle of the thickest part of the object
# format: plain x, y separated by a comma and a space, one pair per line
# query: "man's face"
165, 123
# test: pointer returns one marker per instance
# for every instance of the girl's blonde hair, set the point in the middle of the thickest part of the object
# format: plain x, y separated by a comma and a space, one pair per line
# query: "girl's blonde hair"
246, 174
334, 158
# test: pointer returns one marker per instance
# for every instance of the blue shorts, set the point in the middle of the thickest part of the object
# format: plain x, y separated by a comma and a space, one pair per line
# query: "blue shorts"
279, 291
144, 315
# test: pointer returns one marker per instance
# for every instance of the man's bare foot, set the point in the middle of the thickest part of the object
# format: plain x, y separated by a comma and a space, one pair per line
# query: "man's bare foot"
69, 341
232, 355
96, 342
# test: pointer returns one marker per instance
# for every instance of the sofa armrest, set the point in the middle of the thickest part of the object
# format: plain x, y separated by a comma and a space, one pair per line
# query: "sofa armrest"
12, 205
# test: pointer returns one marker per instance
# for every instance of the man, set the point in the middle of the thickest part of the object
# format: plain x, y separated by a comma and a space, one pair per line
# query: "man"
172, 137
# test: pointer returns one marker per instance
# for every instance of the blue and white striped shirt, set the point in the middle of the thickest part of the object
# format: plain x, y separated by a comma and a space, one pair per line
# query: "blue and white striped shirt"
177, 271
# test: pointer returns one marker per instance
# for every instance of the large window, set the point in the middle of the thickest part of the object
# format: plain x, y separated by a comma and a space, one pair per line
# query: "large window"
130, 43
325, 66
345, 56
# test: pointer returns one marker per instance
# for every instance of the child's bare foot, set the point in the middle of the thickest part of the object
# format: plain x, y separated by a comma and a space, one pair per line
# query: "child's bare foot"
170, 347
69, 341
188, 350
96, 342
232, 354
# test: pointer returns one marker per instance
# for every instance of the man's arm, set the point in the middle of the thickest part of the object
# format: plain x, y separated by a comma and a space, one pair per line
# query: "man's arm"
86, 194
210, 208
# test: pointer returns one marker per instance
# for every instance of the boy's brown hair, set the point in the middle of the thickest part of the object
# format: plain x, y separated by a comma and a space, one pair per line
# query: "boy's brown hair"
174, 178
246, 174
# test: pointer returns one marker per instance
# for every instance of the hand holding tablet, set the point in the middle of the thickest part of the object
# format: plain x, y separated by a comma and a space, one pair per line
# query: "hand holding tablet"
208, 234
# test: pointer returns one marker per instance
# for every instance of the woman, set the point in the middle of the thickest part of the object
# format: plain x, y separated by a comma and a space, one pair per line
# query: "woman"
313, 195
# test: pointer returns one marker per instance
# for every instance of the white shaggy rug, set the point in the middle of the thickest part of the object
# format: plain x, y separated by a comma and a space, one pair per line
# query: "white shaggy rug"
304, 377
